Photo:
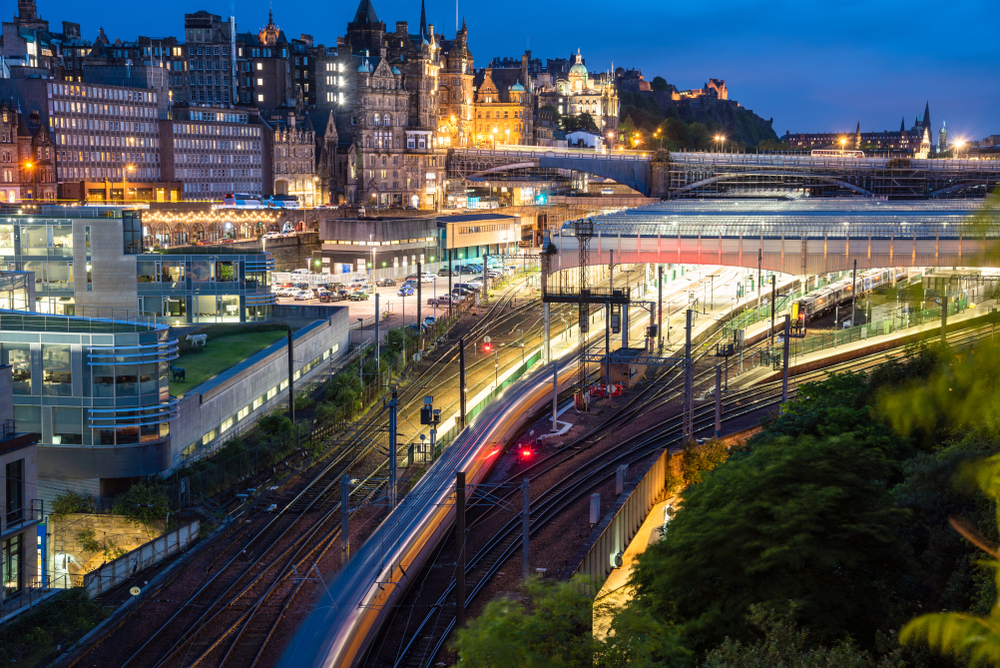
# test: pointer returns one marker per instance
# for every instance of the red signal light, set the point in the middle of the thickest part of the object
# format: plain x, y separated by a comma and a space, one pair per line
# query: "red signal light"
487, 347
526, 452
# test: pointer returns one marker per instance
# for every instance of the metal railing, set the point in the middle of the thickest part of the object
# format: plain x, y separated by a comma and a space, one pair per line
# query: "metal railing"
89, 319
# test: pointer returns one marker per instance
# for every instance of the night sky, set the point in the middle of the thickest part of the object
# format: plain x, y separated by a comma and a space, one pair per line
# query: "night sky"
812, 66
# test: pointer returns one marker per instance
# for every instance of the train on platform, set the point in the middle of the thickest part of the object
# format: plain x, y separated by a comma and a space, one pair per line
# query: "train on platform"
820, 301
349, 614
836, 153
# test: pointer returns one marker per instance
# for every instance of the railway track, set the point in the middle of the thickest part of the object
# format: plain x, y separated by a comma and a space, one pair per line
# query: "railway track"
420, 647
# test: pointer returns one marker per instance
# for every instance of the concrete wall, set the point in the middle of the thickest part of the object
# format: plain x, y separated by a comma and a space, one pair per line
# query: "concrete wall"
114, 277
211, 412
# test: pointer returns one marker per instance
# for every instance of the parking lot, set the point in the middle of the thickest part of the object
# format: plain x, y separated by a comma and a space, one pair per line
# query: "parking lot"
396, 309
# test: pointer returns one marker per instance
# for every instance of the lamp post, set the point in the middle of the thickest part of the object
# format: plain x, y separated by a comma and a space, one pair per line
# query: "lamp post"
31, 177
842, 143
722, 139
507, 132
125, 171
371, 273
494, 136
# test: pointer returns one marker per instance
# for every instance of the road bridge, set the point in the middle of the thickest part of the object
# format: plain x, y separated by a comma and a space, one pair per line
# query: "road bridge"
704, 174
798, 237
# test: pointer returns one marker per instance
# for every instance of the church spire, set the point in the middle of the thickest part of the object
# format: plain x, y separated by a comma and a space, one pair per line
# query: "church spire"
927, 114
423, 20
902, 124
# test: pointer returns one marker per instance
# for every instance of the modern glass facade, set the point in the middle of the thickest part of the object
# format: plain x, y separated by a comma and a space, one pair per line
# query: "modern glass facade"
205, 288
94, 392
93, 260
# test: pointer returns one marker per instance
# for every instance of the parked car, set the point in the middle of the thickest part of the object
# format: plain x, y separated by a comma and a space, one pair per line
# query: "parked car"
429, 321
406, 291
359, 296
444, 271
443, 300
457, 296
333, 287
303, 295
300, 271
413, 277
326, 297
427, 277
385, 282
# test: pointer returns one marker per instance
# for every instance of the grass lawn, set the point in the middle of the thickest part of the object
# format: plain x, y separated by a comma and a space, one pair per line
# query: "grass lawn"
218, 355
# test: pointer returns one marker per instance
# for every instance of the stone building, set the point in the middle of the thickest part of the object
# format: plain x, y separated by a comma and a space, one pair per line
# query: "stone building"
456, 92
37, 156
504, 110
293, 156
382, 89
579, 92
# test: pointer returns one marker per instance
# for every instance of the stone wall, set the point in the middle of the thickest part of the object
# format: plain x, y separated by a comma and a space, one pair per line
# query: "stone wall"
293, 252
68, 554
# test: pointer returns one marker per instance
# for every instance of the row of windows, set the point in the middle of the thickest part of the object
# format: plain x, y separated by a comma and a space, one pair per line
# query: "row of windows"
107, 172
232, 186
102, 93
245, 412
103, 140
105, 109
102, 156
479, 114
228, 159
218, 130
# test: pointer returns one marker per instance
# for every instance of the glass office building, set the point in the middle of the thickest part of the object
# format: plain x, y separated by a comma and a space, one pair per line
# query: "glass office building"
86, 260
95, 393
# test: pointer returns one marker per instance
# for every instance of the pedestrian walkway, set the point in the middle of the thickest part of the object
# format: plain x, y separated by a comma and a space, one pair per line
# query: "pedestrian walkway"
616, 592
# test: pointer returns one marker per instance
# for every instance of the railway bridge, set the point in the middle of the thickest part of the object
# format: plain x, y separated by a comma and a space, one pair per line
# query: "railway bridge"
704, 174
799, 237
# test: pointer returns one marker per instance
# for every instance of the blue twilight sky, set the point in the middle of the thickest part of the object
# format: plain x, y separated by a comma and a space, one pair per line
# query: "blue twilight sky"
812, 66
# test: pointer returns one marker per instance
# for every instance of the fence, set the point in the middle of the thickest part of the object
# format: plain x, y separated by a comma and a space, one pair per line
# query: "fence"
610, 538
37, 590
824, 340
121, 569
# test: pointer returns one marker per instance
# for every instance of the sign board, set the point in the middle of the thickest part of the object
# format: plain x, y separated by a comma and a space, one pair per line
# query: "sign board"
486, 339
135, 591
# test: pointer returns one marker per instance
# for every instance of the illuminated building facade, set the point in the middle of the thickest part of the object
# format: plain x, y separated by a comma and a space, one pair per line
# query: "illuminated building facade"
503, 112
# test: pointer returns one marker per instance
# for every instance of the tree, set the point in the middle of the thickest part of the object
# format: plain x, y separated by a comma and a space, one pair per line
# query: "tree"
552, 629
807, 520
584, 122
659, 83
142, 503
974, 639
785, 645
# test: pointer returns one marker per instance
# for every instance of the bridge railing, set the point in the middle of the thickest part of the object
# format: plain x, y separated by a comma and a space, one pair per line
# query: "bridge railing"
532, 154
814, 162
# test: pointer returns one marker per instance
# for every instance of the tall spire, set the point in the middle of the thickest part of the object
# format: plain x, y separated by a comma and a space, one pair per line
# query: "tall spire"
927, 114
423, 20
902, 124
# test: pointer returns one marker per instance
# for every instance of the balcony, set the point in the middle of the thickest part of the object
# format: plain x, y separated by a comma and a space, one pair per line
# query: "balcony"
17, 520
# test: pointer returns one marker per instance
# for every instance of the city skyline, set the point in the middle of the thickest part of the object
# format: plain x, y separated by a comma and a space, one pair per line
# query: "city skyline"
826, 73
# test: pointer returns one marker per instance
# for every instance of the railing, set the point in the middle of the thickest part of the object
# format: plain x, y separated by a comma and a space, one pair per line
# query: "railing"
144, 556
18, 517
38, 589
89, 319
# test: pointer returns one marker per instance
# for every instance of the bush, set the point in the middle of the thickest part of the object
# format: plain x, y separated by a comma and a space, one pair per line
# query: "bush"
275, 423
142, 503
73, 502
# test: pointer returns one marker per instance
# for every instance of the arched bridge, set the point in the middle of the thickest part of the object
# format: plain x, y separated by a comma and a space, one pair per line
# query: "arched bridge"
701, 174
802, 237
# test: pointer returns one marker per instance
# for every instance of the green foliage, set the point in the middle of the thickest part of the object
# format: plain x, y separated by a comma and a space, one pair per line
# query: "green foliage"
34, 635
698, 460
304, 402
552, 629
807, 520
967, 637
89, 543
773, 145
274, 423
73, 502
659, 83
582, 121
142, 503
785, 645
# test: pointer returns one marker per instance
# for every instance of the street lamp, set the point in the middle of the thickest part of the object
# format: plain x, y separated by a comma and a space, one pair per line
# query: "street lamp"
507, 132
842, 143
721, 138
494, 135
31, 176
371, 242
128, 168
